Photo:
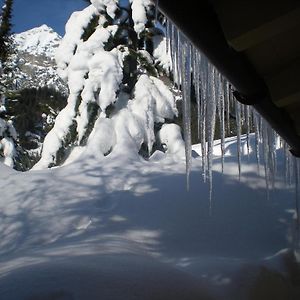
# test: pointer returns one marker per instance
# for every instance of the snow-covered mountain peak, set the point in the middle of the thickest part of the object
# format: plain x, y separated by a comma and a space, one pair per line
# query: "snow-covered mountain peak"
33, 58
42, 40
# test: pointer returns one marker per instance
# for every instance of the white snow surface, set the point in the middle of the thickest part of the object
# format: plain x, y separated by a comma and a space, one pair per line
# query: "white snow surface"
120, 227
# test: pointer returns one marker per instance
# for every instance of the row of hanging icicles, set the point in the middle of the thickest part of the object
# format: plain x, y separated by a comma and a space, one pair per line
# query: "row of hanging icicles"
215, 102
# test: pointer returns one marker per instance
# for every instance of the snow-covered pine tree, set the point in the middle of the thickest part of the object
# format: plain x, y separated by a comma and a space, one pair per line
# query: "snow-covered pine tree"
5, 30
8, 133
114, 60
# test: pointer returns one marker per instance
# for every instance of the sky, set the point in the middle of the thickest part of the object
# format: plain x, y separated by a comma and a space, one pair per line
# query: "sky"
28, 14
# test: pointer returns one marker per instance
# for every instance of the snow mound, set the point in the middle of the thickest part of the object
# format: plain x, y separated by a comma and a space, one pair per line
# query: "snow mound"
129, 229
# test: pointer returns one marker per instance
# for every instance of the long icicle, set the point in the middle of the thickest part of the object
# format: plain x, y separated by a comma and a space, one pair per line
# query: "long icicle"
211, 118
297, 170
222, 121
239, 130
186, 87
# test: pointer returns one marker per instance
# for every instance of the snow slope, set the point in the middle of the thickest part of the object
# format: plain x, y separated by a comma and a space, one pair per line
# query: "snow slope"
120, 227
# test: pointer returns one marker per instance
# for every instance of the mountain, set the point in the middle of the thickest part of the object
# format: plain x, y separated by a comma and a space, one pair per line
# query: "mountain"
33, 60
35, 94
41, 40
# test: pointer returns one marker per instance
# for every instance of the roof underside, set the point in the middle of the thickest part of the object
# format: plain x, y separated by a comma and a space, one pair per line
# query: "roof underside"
268, 34
256, 45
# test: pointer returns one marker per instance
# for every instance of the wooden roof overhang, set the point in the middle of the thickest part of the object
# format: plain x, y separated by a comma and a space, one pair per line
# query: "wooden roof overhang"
255, 44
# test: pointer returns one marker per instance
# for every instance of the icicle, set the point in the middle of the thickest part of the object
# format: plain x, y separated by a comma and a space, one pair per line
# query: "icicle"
272, 149
211, 115
168, 36
232, 101
266, 157
286, 163
203, 138
174, 53
227, 104
247, 116
242, 111
291, 170
156, 11
214, 94
196, 82
297, 170
186, 88
239, 129
203, 67
178, 55
257, 138
221, 114
149, 127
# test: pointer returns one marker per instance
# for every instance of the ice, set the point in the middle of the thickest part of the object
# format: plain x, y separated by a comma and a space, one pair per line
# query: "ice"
238, 121
214, 95
266, 152
203, 138
247, 117
297, 200
287, 168
186, 87
211, 119
156, 10
196, 83
221, 116
227, 105
256, 121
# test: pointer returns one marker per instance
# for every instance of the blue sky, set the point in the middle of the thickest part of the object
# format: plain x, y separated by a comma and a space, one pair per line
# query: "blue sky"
28, 14
55, 13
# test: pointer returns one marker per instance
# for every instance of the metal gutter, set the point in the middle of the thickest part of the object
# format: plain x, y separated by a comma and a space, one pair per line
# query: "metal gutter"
201, 25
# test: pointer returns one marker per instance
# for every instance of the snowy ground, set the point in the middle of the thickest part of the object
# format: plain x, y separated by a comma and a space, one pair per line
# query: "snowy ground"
125, 229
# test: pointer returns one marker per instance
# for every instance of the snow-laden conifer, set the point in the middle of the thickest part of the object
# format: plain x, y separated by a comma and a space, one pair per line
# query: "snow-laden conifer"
114, 61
